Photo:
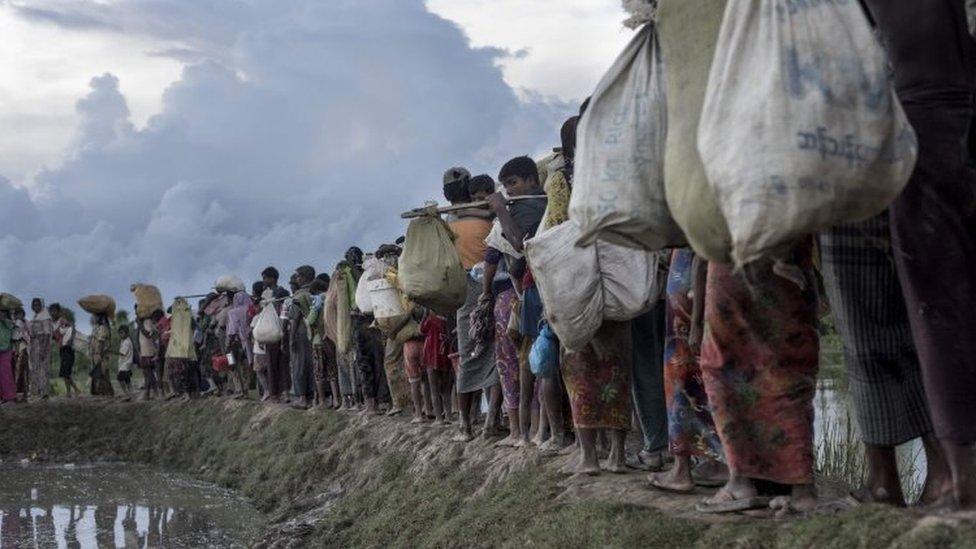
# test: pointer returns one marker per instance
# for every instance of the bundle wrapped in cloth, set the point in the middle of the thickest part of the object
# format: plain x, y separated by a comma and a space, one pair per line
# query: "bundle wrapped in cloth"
430, 271
9, 303
148, 299
583, 286
229, 283
98, 304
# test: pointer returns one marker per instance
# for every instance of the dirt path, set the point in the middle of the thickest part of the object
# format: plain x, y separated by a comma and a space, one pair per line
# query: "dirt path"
331, 479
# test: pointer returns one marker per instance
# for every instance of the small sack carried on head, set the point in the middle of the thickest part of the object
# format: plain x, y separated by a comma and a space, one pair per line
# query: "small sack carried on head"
148, 299
229, 283
98, 304
9, 303
430, 272
618, 186
801, 129
582, 287
267, 326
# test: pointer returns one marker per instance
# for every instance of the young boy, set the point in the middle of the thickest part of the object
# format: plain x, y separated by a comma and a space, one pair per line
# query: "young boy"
125, 353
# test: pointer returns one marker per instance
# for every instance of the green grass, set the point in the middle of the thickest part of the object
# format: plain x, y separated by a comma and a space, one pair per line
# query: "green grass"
290, 463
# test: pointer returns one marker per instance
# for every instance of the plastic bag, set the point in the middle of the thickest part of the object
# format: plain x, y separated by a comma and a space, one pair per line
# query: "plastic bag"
430, 271
582, 287
98, 304
618, 184
544, 355
688, 30
801, 129
372, 269
267, 326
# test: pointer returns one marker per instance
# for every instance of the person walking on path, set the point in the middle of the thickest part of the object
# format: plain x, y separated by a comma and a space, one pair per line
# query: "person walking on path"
41, 333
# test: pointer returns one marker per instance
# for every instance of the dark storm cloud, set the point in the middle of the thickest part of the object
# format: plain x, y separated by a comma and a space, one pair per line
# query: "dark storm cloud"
300, 127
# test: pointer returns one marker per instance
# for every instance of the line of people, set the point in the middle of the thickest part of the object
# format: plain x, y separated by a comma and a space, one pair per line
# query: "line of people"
718, 376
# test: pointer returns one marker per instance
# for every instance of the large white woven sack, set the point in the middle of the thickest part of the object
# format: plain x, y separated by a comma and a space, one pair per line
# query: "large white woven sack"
618, 182
801, 129
581, 287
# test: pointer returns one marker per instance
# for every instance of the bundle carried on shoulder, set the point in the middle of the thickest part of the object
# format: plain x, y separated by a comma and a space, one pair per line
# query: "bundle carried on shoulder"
98, 304
581, 287
229, 283
181, 332
430, 271
148, 299
8, 302
801, 129
618, 185
687, 30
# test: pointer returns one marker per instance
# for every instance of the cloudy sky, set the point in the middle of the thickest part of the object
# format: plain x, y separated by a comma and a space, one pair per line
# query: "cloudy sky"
172, 141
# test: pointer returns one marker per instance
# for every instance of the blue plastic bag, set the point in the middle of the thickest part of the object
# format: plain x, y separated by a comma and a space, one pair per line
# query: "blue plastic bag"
544, 355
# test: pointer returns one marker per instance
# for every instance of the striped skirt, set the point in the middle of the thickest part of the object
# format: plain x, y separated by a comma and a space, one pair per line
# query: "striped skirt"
869, 311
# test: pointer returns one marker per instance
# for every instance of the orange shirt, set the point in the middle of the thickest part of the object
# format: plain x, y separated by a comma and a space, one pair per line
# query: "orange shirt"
470, 234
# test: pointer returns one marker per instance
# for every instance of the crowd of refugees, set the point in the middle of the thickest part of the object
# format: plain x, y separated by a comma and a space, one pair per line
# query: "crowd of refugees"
718, 377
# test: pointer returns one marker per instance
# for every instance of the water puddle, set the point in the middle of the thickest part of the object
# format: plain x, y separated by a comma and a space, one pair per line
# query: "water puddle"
118, 505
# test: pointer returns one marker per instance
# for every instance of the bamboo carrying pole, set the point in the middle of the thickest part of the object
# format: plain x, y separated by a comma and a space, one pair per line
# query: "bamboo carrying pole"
481, 204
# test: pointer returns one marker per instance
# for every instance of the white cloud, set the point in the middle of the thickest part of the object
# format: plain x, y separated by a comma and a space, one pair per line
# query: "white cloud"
294, 130
556, 48
44, 68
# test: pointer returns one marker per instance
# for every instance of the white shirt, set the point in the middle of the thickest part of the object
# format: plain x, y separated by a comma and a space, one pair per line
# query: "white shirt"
67, 333
125, 352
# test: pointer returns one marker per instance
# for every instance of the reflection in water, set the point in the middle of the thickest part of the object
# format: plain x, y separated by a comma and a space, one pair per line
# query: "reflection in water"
117, 506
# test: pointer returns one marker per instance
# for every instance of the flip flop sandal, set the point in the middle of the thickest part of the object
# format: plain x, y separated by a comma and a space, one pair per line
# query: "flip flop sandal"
734, 505
668, 489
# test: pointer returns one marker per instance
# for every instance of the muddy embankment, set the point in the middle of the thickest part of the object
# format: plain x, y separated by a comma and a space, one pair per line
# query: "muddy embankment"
327, 479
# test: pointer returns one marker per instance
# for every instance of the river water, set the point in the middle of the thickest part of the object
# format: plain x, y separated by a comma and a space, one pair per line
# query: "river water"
835, 426
118, 505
